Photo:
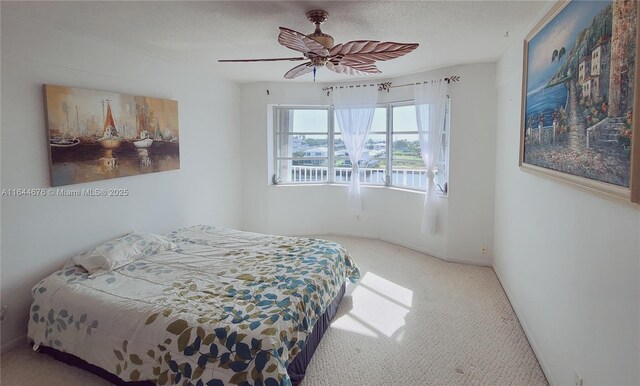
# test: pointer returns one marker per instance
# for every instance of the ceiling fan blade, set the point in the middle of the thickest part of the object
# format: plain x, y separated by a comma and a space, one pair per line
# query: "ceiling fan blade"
355, 69
260, 60
299, 70
300, 42
369, 51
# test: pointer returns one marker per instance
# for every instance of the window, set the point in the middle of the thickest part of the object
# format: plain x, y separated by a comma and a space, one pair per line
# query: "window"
373, 163
309, 148
302, 145
407, 167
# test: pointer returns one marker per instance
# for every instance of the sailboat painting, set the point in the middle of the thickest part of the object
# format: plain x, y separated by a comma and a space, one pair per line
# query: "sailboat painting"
96, 135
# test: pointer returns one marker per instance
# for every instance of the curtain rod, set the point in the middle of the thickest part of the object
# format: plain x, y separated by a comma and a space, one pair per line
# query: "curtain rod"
385, 86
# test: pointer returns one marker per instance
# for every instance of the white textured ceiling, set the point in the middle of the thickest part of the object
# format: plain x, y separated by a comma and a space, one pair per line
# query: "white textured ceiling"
449, 32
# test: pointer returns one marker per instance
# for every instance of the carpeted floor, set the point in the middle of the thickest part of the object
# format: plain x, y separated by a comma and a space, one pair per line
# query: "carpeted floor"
411, 320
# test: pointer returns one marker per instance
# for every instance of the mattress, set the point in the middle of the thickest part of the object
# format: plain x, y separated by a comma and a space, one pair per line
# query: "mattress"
225, 307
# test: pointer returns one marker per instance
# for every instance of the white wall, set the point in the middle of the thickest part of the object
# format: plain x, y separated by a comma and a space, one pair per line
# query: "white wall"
569, 260
39, 234
391, 214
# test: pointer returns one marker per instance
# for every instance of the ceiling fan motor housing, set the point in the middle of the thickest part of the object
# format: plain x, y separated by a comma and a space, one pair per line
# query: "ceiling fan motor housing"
317, 17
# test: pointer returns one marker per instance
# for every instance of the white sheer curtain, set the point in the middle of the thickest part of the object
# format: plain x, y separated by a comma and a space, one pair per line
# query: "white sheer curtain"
431, 103
354, 108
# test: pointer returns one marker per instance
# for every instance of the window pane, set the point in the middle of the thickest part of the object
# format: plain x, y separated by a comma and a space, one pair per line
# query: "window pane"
338, 146
404, 119
303, 121
375, 155
379, 122
372, 163
406, 151
309, 170
301, 145
408, 167
368, 175
343, 171
409, 178
315, 152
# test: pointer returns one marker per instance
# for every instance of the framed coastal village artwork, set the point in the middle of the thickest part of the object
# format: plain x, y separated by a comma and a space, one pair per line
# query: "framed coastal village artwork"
96, 135
579, 96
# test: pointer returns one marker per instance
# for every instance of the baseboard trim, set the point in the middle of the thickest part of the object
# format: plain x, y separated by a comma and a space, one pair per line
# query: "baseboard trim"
13, 343
527, 332
376, 237
411, 246
470, 262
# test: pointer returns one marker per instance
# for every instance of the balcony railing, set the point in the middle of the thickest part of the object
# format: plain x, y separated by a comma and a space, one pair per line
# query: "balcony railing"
411, 178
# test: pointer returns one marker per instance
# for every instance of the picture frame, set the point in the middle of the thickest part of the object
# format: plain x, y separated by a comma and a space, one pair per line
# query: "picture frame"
579, 91
95, 135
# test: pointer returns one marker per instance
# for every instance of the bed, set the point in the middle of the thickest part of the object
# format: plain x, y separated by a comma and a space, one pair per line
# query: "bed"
220, 307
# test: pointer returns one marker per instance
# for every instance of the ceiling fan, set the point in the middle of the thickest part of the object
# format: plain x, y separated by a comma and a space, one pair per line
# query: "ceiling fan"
356, 57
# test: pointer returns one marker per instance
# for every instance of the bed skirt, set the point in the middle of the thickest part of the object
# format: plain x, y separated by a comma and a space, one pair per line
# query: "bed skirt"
296, 368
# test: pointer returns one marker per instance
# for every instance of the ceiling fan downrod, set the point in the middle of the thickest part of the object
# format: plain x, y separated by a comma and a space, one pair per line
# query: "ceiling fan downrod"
317, 17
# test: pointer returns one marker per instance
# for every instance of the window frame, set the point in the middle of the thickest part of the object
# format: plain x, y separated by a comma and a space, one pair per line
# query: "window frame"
277, 110
331, 135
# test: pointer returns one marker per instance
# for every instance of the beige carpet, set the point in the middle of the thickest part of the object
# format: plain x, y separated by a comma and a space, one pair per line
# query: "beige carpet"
411, 320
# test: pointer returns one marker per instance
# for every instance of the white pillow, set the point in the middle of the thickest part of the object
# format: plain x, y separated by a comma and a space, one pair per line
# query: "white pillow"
91, 260
122, 251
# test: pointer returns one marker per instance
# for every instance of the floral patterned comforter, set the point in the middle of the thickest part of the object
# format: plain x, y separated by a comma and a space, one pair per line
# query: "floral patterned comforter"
227, 307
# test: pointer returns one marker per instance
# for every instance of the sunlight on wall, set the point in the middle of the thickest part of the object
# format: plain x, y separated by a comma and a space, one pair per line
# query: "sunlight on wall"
379, 307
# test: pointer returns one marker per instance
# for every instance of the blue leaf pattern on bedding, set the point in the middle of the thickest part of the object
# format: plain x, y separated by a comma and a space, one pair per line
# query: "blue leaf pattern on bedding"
225, 307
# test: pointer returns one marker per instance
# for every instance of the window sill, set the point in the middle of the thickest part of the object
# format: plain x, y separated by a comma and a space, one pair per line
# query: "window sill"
395, 188
401, 189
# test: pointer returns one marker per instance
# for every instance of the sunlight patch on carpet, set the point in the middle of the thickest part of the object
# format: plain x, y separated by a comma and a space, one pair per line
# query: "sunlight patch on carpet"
379, 307
347, 323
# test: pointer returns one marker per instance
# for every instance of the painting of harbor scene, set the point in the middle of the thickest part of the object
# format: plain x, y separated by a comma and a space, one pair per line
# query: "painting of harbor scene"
578, 94
95, 135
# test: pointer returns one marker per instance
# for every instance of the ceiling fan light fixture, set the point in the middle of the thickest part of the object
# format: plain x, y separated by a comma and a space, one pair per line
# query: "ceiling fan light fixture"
318, 61
322, 38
